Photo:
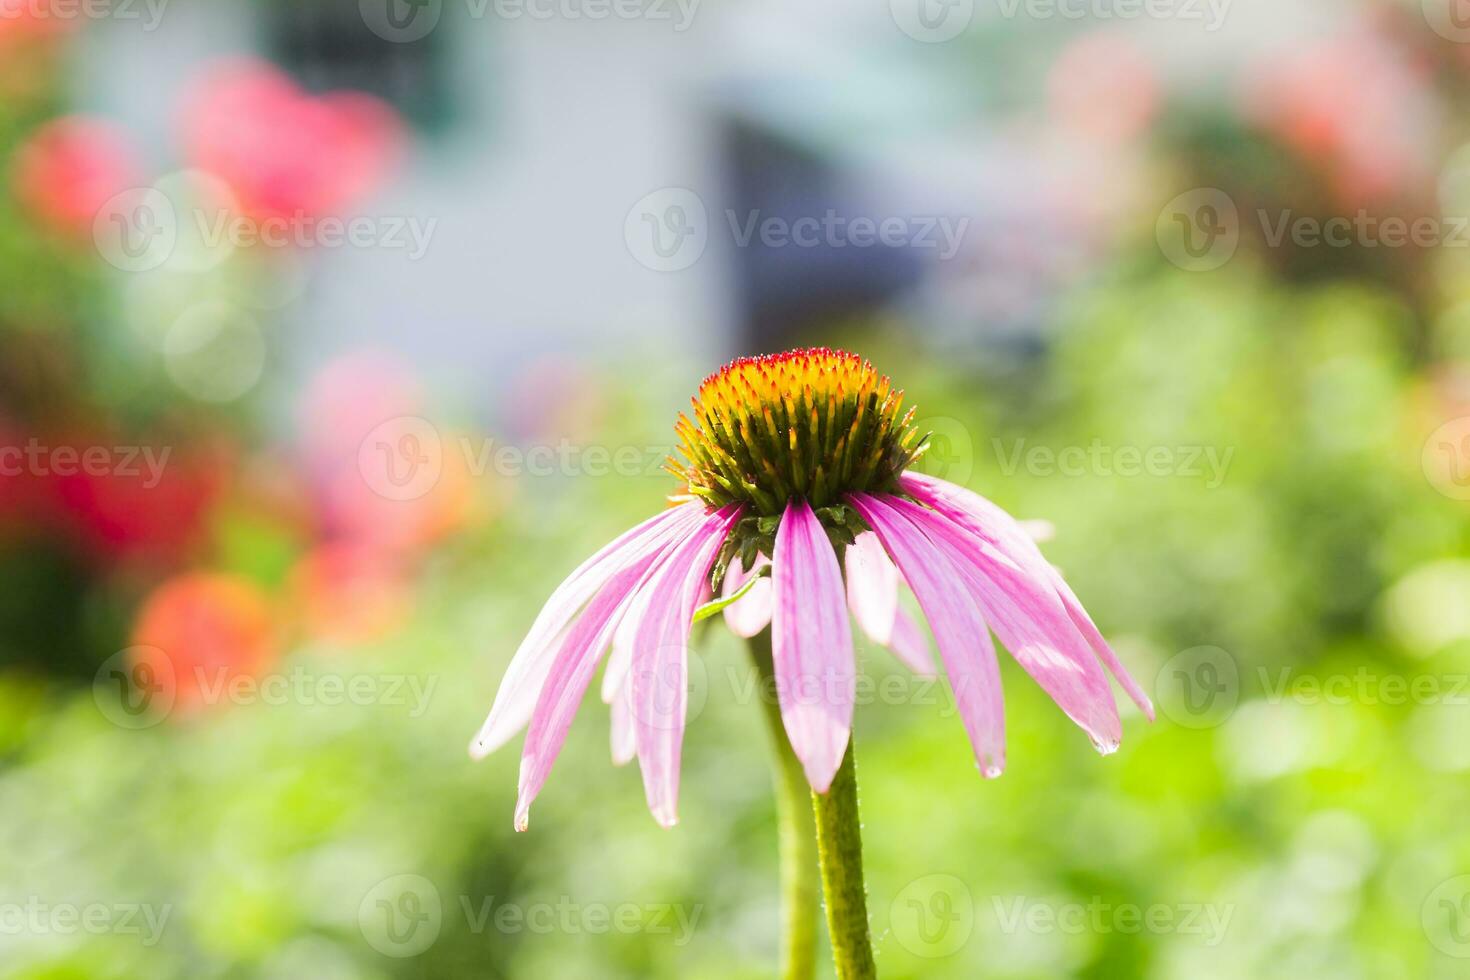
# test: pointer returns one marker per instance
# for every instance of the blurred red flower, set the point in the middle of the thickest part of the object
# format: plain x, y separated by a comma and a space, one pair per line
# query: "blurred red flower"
208, 629
69, 168
150, 507
283, 151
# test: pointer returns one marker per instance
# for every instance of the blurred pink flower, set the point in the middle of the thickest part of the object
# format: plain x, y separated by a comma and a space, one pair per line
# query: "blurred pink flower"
1102, 88
354, 407
283, 151
68, 169
787, 453
1356, 106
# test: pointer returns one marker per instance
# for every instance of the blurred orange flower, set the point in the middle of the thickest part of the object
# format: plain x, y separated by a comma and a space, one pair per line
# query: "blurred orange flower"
349, 594
208, 630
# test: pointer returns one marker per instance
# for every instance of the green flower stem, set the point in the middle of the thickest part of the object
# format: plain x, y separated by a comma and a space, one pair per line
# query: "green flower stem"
840, 846
799, 895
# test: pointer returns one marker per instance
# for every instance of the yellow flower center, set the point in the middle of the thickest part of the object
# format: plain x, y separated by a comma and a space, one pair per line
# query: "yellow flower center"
813, 423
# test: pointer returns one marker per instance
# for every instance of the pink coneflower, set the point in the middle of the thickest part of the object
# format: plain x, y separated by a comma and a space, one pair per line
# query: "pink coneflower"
801, 461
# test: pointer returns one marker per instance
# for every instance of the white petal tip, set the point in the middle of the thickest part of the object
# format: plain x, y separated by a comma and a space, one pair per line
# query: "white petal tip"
991, 770
1105, 746
667, 820
523, 821
479, 749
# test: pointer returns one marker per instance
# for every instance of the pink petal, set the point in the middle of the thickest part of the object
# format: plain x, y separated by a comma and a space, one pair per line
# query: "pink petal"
872, 587
1028, 617
959, 628
620, 661
523, 680
624, 735
751, 613
660, 652
570, 674
811, 645
872, 595
989, 522
910, 645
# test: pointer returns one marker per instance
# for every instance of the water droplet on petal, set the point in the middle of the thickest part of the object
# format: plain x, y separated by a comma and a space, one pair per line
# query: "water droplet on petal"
1105, 746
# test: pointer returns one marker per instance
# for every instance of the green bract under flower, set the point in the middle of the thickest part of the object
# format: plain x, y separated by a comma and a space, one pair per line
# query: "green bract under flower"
813, 423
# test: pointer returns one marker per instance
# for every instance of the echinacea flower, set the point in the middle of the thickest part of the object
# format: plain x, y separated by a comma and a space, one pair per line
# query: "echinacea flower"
801, 462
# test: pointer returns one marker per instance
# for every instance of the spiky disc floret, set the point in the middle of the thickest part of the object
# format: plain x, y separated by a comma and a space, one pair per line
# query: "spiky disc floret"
814, 423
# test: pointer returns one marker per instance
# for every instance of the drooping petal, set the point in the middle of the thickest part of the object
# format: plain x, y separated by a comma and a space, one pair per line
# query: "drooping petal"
910, 645
624, 735
811, 645
524, 678
989, 522
571, 672
872, 587
872, 595
751, 613
958, 627
659, 663
1028, 617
